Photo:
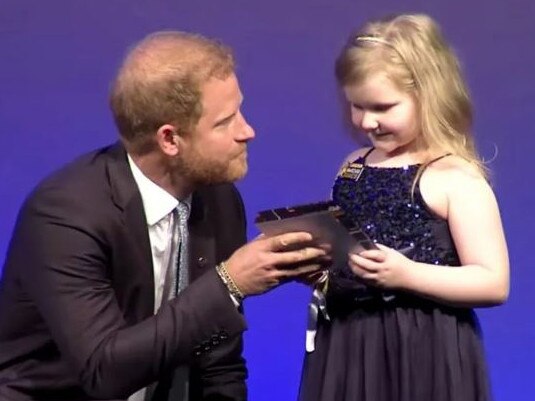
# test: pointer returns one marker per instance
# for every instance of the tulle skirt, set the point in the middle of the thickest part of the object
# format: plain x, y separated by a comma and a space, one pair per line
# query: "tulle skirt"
404, 350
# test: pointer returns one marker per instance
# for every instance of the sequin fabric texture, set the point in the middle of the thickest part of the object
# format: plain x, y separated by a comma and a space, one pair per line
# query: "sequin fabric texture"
381, 200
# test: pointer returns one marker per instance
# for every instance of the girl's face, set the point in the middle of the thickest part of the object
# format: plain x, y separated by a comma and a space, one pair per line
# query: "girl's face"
388, 116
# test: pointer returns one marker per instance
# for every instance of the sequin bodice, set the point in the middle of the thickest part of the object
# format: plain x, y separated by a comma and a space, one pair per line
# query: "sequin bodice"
381, 200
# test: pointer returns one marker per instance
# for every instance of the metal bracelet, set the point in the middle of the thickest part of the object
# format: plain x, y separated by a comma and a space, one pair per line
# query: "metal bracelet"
228, 281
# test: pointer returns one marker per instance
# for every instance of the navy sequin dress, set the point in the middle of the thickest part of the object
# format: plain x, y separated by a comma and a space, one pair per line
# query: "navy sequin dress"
407, 348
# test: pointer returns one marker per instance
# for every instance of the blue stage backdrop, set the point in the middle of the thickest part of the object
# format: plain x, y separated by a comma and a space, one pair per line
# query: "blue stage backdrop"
58, 57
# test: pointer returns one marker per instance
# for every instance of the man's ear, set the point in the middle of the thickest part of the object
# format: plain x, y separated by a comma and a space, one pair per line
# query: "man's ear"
168, 139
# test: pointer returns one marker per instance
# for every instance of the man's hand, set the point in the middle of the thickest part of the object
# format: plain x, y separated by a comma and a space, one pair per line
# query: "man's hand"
264, 263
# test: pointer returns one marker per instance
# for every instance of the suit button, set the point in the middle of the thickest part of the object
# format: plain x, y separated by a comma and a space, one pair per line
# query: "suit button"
206, 346
214, 340
201, 262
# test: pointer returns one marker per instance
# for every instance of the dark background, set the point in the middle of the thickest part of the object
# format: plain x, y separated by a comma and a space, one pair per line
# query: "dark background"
58, 57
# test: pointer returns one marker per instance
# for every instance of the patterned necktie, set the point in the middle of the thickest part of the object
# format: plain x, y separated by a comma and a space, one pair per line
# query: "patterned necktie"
179, 386
181, 279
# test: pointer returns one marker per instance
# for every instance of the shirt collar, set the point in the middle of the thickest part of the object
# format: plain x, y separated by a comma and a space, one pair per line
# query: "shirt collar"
157, 202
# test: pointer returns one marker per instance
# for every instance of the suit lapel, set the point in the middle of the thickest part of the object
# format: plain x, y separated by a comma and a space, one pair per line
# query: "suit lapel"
138, 283
202, 237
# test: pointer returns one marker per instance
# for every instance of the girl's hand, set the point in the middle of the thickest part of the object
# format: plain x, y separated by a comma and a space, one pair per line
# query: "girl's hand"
383, 268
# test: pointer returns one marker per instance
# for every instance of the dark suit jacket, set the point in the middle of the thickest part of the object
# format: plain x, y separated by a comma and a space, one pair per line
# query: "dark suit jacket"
77, 292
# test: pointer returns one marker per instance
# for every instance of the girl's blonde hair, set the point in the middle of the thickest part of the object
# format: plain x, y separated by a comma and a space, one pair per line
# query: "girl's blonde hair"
413, 54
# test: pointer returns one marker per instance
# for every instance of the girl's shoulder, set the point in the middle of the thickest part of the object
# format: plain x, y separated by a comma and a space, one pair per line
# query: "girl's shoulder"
455, 169
452, 179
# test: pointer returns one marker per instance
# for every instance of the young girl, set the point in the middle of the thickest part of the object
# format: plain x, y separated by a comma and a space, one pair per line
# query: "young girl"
420, 192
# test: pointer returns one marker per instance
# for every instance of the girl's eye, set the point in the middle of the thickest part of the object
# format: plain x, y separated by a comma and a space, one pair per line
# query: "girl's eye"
356, 106
381, 108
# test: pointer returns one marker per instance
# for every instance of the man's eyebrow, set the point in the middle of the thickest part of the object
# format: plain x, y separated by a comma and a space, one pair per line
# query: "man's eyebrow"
224, 119
230, 116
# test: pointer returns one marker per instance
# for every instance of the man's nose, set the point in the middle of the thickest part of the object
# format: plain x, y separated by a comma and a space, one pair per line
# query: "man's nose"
246, 131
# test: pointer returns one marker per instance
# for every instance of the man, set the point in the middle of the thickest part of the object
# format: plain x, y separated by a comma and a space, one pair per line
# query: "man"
88, 300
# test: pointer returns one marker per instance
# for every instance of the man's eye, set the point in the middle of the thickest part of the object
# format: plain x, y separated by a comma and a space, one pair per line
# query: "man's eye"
224, 122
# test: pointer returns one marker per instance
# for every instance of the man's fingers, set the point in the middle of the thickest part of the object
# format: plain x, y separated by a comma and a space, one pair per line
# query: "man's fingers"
325, 246
284, 242
301, 255
300, 271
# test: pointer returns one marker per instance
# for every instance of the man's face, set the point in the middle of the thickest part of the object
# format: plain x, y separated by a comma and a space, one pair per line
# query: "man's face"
216, 150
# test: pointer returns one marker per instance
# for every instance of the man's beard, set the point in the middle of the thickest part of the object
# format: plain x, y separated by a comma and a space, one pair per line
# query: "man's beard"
201, 170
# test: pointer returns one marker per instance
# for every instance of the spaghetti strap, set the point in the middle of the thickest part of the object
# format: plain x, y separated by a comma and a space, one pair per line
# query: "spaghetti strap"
363, 158
437, 159
427, 164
